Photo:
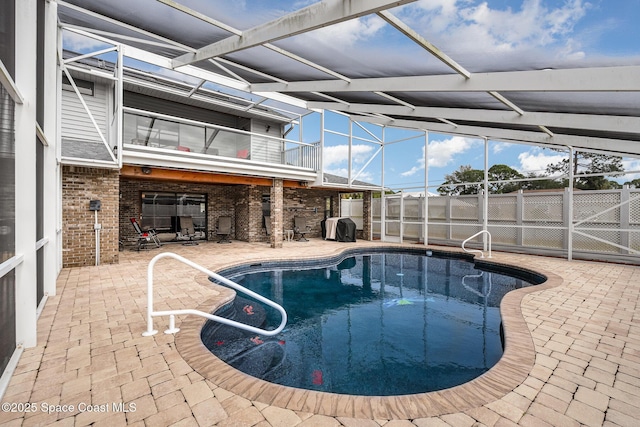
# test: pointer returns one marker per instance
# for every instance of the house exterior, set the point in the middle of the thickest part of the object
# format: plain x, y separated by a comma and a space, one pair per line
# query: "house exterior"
77, 130
88, 142
203, 156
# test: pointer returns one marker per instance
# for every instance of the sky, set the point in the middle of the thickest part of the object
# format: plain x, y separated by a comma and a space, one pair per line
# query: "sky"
478, 34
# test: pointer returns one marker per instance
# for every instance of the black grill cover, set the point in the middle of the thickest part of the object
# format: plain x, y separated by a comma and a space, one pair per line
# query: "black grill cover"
345, 230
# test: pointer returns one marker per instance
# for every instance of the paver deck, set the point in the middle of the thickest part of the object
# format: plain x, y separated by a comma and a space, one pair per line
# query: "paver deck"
572, 356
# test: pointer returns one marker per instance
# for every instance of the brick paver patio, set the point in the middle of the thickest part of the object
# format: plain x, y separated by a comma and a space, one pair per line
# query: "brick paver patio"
92, 366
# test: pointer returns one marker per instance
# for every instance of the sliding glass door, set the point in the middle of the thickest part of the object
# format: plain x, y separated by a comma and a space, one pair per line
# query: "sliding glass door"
160, 211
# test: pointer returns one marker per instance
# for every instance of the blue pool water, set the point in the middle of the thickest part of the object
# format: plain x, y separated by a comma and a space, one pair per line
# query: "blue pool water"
373, 324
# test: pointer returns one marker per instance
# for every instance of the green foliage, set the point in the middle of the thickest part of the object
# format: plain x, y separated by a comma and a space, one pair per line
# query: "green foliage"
454, 183
505, 174
464, 174
543, 184
633, 184
588, 163
466, 180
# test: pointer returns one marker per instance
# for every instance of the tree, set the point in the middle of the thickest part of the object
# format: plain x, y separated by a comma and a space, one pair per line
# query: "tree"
453, 185
543, 184
589, 163
633, 184
464, 174
505, 174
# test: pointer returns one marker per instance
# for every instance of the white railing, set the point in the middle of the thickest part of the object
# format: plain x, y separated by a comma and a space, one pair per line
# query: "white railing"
478, 250
172, 313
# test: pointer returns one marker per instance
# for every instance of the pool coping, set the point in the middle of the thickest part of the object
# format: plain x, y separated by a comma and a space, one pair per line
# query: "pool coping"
507, 374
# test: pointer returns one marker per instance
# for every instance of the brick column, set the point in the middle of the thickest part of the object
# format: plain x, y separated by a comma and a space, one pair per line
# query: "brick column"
277, 203
366, 215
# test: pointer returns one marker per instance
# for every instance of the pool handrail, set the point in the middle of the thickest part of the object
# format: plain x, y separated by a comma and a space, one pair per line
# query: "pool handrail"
478, 250
172, 313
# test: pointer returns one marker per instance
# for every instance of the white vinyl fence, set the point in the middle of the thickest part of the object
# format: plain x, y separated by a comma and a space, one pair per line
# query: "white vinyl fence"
605, 225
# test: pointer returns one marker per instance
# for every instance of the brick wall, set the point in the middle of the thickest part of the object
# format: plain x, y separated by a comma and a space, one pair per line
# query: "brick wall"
301, 202
243, 203
221, 201
255, 231
79, 186
248, 206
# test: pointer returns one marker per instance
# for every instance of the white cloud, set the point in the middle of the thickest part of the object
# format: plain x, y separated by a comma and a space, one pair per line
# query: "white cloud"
499, 147
414, 169
472, 25
339, 154
536, 160
442, 153
630, 165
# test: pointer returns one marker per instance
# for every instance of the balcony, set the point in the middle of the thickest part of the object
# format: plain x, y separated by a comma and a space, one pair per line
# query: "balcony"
164, 141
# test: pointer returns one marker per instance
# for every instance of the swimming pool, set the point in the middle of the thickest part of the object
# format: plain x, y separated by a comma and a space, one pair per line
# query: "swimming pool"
376, 324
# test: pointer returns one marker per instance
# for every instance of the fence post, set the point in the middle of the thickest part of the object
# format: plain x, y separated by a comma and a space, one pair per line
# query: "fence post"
567, 219
625, 217
447, 214
519, 217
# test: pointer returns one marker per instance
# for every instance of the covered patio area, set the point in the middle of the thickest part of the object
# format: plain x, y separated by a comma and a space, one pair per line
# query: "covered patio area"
583, 369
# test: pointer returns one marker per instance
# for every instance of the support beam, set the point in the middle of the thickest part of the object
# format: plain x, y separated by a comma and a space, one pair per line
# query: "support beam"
215, 78
622, 124
506, 102
157, 174
318, 15
238, 32
614, 146
603, 79
409, 32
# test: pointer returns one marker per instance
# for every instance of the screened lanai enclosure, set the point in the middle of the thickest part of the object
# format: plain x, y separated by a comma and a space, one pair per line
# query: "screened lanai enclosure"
423, 121
353, 106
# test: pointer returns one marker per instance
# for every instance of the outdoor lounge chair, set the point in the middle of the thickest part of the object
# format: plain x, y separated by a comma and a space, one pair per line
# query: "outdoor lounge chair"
145, 237
186, 230
224, 229
300, 227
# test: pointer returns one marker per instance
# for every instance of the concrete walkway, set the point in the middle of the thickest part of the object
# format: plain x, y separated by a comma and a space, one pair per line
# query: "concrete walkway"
92, 366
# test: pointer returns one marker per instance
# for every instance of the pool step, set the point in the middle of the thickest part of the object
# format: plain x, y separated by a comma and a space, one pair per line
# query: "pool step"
241, 310
252, 354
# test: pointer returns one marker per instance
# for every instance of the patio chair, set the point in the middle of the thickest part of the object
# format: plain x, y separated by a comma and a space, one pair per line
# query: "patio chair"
145, 237
186, 230
224, 229
300, 227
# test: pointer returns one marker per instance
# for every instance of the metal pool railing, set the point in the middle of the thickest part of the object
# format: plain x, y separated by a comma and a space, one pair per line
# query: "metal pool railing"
478, 250
172, 313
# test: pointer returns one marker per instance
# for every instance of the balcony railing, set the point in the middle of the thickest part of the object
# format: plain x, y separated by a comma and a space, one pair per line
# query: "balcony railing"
159, 131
